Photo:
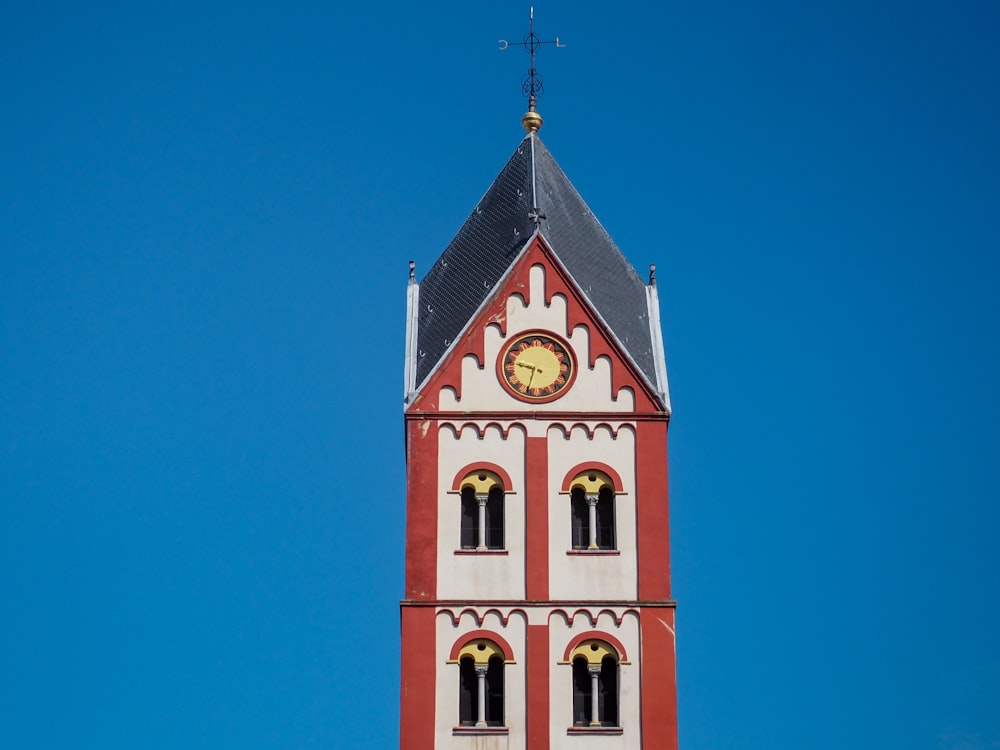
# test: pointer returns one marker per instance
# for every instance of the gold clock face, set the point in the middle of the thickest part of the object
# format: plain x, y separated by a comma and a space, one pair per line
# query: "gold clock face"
536, 367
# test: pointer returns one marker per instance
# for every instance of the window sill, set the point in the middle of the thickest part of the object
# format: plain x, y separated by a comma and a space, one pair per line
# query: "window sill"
598, 552
476, 731
594, 730
482, 552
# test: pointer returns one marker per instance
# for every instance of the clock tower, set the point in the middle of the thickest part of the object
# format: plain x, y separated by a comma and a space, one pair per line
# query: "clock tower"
537, 612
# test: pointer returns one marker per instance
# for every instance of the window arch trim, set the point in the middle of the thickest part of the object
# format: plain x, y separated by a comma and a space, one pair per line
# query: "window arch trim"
587, 466
456, 485
595, 635
484, 635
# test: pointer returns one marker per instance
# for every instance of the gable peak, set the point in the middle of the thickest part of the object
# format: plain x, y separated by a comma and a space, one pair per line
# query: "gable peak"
533, 195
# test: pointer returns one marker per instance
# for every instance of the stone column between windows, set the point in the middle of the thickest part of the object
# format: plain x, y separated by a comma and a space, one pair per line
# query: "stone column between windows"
481, 499
595, 672
592, 511
481, 693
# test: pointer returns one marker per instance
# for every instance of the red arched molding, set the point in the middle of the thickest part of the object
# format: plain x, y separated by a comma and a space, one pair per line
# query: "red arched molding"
587, 466
594, 635
456, 485
488, 635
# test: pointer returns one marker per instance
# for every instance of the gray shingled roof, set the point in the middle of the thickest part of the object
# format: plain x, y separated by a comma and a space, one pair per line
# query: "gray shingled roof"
493, 236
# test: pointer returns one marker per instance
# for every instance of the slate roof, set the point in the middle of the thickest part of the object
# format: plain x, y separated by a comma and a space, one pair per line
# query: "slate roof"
494, 235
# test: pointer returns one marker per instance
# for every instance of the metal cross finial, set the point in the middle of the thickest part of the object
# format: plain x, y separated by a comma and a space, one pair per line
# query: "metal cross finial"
531, 83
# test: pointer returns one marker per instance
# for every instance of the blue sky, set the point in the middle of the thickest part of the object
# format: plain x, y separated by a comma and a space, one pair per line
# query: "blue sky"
208, 211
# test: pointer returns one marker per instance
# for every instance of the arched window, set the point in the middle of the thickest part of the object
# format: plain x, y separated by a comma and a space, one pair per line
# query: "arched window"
605, 518
480, 684
592, 506
482, 511
595, 685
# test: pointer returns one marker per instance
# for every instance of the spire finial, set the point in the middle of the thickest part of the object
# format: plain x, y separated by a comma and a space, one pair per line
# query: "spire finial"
531, 82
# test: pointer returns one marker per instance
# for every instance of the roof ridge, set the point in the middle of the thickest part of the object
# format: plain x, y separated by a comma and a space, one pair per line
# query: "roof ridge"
534, 189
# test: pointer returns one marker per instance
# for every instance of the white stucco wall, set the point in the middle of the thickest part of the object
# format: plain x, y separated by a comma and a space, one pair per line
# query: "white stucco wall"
561, 633
479, 576
561, 682
581, 577
446, 695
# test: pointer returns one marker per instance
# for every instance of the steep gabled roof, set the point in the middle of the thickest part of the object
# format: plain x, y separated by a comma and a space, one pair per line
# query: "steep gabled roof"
494, 235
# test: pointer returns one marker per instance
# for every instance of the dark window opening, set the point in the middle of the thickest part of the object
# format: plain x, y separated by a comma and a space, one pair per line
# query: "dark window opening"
470, 519
494, 692
608, 698
581, 519
494, 519
606, 519
581, 692
467, 692
607, 693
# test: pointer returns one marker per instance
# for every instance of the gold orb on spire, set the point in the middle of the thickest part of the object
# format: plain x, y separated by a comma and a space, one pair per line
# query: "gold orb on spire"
532, 121
531, 84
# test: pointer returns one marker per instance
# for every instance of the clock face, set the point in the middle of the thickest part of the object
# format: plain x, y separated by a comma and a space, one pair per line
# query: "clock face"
536, 367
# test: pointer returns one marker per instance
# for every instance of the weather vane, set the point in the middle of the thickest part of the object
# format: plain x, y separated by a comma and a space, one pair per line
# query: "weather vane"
531, 83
